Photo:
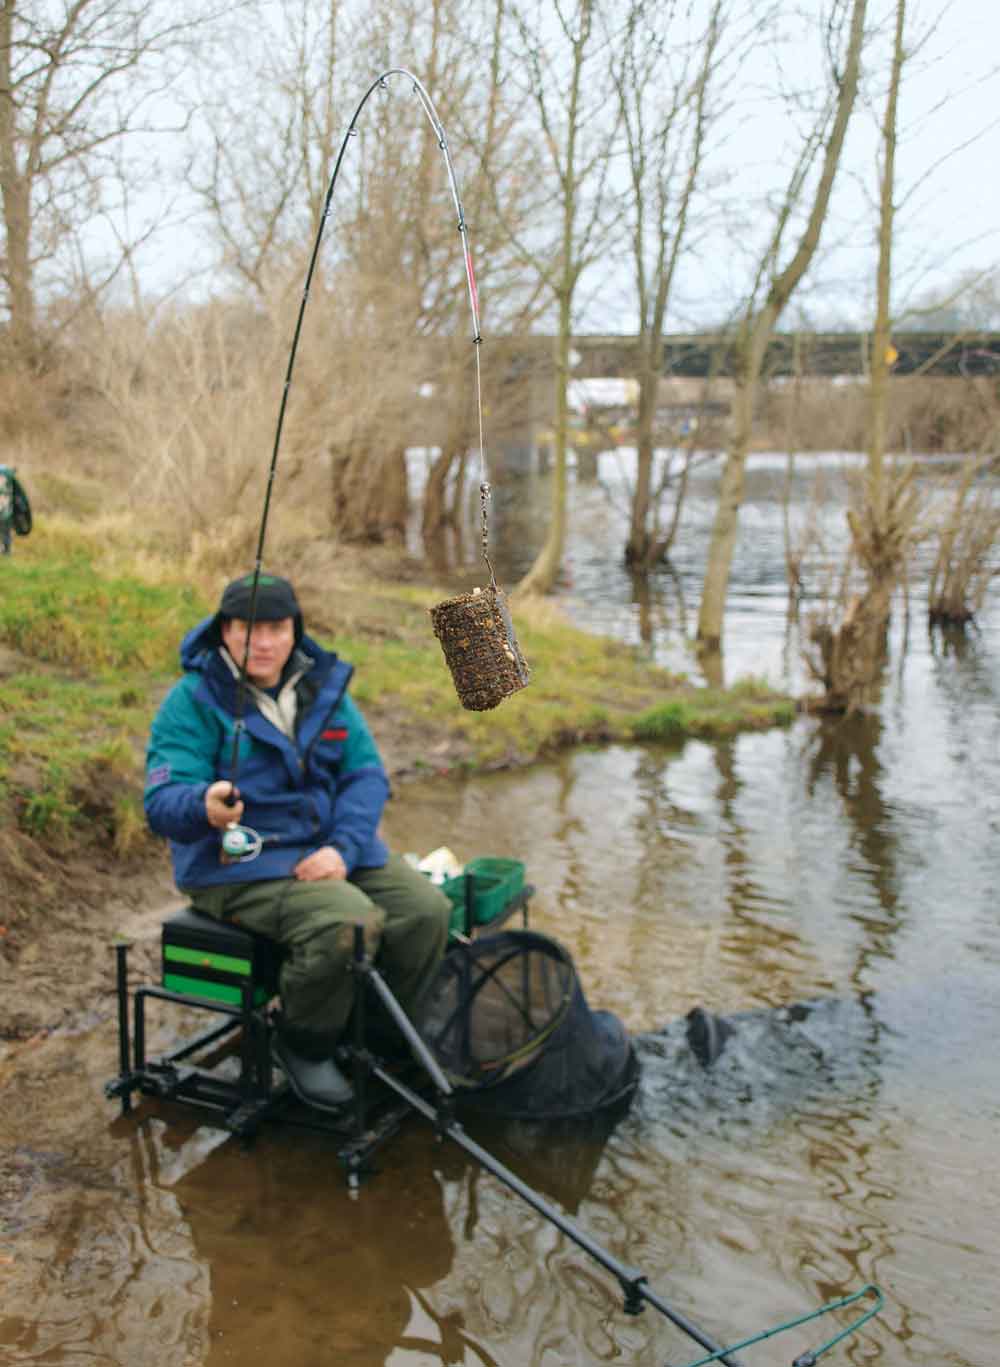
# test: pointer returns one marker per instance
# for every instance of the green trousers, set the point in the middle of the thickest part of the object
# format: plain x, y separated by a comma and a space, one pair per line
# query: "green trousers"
405, 920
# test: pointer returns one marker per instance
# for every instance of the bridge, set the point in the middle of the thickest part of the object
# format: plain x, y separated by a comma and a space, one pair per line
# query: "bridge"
698, 355
520, 377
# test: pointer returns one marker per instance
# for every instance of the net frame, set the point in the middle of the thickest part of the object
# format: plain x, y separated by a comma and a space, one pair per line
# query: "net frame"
495, 1002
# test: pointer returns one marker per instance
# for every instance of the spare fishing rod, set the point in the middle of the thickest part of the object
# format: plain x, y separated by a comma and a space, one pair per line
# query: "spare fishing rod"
241, 843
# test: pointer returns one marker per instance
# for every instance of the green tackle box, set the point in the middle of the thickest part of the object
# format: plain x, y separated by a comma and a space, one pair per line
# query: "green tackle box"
203, 957
480, 893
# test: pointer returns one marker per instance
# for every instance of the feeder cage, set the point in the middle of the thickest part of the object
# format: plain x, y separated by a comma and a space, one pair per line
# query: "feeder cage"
477, 637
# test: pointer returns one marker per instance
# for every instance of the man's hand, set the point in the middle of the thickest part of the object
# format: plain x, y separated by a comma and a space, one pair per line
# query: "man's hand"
322, 863
219, 812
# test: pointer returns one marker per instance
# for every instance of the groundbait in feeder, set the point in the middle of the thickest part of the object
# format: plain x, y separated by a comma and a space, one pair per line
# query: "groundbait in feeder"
477, 637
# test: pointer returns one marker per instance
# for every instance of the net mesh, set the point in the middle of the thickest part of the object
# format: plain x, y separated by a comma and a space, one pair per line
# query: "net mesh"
508, 1022
493, 1003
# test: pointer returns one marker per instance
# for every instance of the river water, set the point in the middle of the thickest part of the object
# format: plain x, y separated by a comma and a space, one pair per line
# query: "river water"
850, 865
854, 863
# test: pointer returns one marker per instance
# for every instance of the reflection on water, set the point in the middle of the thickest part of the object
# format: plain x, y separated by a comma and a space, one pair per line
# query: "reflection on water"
302, 1269
850, 861
845, 862
109, 1270
850, 864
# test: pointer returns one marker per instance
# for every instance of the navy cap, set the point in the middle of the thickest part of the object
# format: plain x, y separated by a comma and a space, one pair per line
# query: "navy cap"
275, 600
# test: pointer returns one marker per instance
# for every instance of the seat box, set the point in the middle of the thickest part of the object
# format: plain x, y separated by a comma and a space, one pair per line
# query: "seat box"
202, 957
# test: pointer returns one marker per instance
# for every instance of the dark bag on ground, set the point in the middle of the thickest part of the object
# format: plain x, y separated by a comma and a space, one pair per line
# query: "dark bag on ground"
22, 509
14, 505
507, 1020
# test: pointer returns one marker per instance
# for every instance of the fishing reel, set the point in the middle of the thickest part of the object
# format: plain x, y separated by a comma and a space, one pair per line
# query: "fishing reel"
240, 844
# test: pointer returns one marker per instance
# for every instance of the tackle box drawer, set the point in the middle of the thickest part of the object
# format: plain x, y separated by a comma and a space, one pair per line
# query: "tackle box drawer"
202, 957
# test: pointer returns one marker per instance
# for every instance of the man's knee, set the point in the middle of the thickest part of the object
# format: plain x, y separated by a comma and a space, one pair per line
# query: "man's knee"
424, 903
423, 931
330, 937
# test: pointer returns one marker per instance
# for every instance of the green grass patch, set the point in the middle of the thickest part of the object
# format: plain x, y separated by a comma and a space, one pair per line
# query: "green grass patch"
73, 723
582, 688
64, 612
712, 715
101, 642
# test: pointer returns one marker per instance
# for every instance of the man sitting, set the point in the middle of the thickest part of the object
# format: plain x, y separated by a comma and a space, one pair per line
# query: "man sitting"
313, 787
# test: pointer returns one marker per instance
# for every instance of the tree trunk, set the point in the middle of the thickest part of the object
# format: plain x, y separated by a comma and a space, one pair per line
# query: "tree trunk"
369, 494
542, 576
759, 327
394, 496
726, 525
882, 334
663, 540
572, 256
640, 543
437, 517
853, 654
15, 195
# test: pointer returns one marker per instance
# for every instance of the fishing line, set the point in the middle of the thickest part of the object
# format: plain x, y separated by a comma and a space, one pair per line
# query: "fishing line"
241, 843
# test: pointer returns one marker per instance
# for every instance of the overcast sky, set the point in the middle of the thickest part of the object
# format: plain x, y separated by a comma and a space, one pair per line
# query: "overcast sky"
948, 183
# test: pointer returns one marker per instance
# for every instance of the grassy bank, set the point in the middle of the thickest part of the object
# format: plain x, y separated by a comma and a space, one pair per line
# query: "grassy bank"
88, 644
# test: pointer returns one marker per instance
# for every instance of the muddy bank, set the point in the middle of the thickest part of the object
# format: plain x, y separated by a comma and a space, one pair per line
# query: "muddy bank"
97, 1261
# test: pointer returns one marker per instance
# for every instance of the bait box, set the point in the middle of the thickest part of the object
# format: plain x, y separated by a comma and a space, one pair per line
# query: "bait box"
480, 893
202, 957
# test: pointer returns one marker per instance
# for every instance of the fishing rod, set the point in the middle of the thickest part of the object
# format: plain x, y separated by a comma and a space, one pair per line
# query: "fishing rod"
241, 843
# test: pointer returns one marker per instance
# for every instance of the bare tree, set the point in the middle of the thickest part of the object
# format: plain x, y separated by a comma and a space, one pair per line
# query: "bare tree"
773, 287
849, 654
178, 404
662, 86
967, 535
880, 362
260, 168
566, 61
76, 81
969, 304
391, 266
888, 521
506, 164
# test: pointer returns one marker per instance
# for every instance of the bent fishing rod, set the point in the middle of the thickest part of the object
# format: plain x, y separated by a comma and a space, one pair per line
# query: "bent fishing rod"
241, 843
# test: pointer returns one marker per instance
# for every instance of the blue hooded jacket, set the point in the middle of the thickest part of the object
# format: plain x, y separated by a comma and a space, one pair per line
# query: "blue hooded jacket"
325, 787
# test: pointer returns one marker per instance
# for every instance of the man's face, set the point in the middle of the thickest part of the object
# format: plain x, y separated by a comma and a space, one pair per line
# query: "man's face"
271, 643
